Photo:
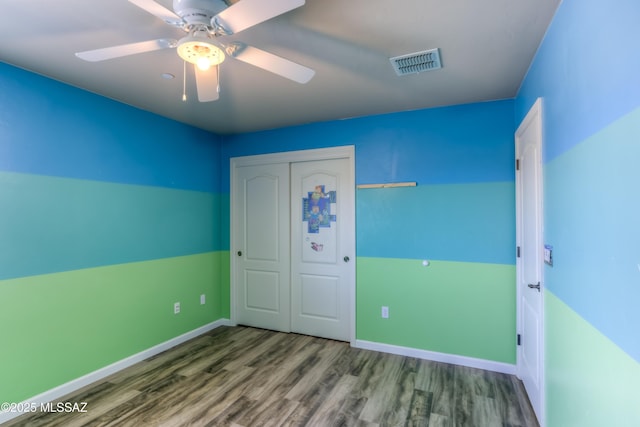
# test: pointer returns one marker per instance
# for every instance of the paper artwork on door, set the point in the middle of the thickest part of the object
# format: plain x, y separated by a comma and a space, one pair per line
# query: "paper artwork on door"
316, 209
319, 207
318, 247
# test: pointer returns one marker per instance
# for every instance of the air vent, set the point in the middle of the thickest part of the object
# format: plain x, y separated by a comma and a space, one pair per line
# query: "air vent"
417, 62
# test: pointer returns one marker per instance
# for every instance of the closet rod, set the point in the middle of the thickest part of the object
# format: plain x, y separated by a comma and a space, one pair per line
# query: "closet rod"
389, 185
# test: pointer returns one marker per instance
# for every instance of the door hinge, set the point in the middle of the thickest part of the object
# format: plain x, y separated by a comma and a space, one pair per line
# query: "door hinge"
518, 251
517, 164
519, 339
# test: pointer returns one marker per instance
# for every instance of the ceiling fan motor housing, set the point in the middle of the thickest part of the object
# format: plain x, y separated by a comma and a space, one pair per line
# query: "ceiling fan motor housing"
198, 12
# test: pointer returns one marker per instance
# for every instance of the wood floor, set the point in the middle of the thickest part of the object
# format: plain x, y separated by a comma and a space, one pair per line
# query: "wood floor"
239, 376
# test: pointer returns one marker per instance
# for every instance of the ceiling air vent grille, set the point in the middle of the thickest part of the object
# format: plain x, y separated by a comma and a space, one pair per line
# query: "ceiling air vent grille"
416, 62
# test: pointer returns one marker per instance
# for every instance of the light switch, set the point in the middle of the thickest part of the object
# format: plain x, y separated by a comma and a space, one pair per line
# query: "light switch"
548, 254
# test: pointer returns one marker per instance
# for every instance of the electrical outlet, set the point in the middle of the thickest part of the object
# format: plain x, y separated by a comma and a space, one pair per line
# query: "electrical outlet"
176, 308
385, 312
202, 299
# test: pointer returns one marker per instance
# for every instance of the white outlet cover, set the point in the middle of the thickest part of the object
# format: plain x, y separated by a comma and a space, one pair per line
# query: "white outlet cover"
176, 308
203, 299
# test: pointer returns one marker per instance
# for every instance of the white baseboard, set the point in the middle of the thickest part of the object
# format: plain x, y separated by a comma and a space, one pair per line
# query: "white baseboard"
454, 359
78, 383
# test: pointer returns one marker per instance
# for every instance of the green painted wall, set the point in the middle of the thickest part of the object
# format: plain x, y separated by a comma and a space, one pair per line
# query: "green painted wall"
224, 278
591, 147
460, 308
461, 216
591, 382
100, 316
108, 215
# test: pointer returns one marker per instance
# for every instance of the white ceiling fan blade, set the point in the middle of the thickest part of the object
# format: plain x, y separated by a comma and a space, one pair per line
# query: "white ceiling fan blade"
125, 50
270, 62
247, 13
158, 10
207, 84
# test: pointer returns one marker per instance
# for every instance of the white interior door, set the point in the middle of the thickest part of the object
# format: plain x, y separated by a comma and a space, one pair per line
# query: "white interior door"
322, 249
530, 363
261, 244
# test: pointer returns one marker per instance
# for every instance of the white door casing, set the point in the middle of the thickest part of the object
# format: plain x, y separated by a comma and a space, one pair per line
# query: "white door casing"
529, 263
321, 251
253, 281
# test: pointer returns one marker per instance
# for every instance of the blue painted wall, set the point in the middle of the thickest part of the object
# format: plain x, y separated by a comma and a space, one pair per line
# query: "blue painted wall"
588, 76
55, 141
108, 215
463, 154
159, 186
49, 129
461, 214
458, 144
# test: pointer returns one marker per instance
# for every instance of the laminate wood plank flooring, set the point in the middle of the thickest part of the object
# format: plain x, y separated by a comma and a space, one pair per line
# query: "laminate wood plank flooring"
248, 377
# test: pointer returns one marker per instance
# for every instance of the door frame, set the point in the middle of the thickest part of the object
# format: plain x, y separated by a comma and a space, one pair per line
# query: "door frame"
341, 152
533, 118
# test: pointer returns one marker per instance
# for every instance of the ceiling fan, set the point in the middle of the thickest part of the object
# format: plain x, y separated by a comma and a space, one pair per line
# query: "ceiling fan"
206, 23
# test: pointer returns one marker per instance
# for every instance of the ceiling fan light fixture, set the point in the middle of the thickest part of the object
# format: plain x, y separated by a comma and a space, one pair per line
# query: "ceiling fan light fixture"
204, 21
200, 52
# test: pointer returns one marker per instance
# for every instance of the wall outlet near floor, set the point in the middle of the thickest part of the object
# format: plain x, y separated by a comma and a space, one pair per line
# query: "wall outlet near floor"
176, 308
203, 299
385, 312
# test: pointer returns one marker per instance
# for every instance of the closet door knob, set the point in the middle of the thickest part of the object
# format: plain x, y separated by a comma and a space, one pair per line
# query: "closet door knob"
346, 259
239, 253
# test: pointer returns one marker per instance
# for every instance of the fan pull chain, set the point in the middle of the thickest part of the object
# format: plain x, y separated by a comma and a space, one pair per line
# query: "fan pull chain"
184, 81
218, 78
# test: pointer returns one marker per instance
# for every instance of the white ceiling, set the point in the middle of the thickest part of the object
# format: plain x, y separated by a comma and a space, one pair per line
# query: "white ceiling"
486, 47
